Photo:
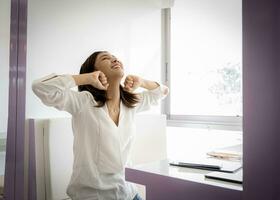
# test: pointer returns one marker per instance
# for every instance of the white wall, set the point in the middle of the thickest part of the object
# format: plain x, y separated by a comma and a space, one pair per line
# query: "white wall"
62, 34
4, 62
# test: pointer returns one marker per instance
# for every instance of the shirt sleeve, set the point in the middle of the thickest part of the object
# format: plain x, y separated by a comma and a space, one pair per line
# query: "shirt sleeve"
150, 98
55, 90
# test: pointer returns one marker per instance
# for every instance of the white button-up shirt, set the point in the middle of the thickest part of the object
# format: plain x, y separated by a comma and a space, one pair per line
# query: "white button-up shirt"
101, 148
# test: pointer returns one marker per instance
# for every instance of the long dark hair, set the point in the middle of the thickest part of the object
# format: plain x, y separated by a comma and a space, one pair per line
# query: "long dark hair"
129, 99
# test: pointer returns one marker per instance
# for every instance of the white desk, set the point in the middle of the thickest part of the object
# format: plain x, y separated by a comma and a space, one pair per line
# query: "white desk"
163, 181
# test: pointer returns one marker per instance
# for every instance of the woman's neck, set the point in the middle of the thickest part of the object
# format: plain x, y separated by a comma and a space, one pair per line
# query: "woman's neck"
113, 93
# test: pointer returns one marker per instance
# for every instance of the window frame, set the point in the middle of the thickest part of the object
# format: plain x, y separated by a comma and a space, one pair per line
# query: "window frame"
233, 123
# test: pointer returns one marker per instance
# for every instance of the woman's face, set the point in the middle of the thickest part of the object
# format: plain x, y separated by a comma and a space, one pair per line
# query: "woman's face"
109, 65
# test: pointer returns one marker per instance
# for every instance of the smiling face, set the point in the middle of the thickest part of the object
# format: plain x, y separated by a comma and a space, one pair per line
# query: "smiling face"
109, 65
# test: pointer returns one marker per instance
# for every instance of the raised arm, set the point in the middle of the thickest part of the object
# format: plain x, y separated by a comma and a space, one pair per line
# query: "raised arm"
97, 79
153, 94
55, 90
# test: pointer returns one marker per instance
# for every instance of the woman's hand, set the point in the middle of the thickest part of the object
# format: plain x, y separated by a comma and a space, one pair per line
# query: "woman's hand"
97, 79
132, 82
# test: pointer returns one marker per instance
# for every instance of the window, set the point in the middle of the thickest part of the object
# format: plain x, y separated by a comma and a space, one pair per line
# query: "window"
204, 65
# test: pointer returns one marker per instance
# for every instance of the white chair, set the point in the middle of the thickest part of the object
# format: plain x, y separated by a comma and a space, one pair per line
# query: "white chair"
150, 142
150, 139
54, 157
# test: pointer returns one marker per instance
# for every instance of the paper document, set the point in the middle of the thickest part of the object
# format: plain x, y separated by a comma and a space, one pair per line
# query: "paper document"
227, 153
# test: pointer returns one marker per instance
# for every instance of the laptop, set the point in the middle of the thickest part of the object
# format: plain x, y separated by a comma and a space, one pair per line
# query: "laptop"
209, 164
236, 177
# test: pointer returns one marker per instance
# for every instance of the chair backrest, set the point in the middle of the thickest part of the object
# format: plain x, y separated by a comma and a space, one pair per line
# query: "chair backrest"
58, 145
54, 151
150, 139
54, 157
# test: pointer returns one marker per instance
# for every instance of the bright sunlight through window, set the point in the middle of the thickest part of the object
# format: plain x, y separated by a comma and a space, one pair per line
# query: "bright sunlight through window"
206, 58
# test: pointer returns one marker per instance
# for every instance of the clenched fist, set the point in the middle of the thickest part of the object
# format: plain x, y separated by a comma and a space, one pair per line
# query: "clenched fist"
132, 82
98, 80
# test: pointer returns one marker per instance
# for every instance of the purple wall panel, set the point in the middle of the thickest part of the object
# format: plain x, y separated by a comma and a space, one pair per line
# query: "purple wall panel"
261, 99
278, 63
21, 84
32, 195
14, 167
11, 132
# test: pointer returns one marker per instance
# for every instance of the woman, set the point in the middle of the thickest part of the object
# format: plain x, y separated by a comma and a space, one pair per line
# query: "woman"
103, 123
